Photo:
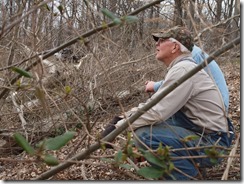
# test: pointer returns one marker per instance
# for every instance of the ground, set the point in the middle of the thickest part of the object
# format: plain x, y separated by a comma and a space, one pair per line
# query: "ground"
17, 167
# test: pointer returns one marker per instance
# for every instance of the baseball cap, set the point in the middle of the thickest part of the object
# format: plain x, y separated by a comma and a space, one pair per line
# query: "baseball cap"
181, 34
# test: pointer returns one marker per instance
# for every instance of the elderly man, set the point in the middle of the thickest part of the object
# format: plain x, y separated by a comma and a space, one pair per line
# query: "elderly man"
193, 108
212, 69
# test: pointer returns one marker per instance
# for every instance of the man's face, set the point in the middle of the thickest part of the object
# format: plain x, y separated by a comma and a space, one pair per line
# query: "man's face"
164, 48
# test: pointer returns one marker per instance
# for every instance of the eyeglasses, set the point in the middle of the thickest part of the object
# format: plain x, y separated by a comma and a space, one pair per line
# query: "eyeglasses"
161, 40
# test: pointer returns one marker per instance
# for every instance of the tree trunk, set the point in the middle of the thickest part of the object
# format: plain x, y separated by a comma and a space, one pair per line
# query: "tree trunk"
178, 12
236, 21
218, 10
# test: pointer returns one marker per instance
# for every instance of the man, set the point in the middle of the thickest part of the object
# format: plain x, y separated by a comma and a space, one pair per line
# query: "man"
193, 108
212, 69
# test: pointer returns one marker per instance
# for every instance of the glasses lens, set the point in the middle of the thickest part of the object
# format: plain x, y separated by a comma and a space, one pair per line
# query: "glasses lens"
161, 40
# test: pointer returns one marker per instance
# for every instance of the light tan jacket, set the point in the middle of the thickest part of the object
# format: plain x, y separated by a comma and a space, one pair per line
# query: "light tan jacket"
198, 98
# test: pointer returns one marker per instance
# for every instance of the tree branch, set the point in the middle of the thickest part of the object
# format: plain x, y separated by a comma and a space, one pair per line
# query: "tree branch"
230, 159
212, 26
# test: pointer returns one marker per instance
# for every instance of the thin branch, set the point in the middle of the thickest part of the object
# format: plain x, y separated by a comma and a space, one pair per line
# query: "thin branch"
19, 109
204, 156
83, 172
17, 161
202, 147
113, 69
133, 164
85, 154
190, 177
230, 159
215, 25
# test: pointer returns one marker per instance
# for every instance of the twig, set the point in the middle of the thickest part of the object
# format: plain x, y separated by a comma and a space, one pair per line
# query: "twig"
14, 160
79, 143
204, 156
20, 113
200, 147
230, 159
113, 69
210, 27
133, 164
83, 172
190, 177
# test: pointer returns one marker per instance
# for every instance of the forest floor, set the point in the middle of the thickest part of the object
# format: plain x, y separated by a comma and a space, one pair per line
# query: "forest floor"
17, 167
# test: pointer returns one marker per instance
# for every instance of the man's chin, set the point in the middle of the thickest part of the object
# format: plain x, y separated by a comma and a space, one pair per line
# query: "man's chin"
158, 58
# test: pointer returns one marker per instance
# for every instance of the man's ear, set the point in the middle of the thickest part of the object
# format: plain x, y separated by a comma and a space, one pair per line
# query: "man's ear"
176, 47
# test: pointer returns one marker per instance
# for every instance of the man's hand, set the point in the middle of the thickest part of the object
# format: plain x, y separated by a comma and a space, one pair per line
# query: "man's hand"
149, 86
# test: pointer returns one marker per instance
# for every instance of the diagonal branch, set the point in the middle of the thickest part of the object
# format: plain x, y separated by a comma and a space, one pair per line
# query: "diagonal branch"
85, 154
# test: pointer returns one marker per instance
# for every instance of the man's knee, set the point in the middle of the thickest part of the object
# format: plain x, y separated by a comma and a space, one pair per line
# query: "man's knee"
140, 136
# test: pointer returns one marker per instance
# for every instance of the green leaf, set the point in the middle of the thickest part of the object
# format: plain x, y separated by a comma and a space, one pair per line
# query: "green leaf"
160, 150
67, 89
47, 7
128, 136
108, 160
130, 19
212, 152
117, 21
118, 157
18, 83
126, 166
59, 141
129, 150
23, 143
171, 166
108, 13
50, 160
82, 40
40, 145
190, 138
213, 161
150, 172
104, 25
103, 146
21, 72
153, 159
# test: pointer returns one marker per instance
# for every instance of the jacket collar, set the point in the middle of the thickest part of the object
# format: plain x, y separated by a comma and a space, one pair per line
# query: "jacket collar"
178, 59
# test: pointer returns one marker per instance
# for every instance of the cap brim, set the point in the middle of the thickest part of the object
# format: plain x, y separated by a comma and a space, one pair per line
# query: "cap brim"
156, 36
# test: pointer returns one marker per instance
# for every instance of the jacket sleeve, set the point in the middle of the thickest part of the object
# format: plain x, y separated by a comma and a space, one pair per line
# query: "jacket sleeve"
170, 104
157, 85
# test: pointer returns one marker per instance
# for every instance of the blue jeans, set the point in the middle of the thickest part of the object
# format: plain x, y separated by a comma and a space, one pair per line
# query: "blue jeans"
171, 132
